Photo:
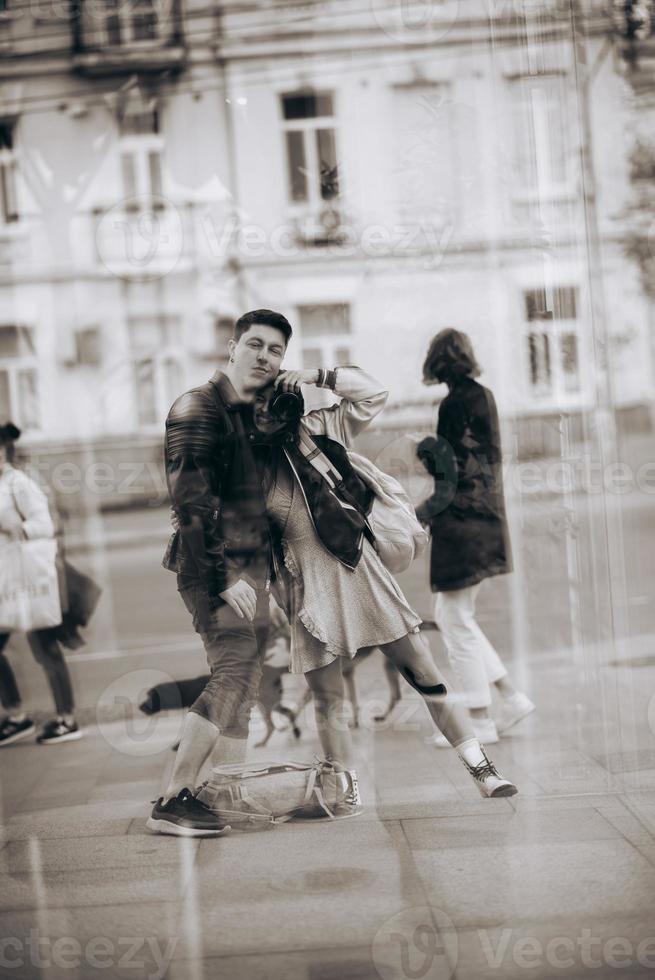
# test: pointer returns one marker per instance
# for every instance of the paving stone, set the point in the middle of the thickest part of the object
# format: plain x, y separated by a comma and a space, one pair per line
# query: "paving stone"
98, 886
485, 886
320, 964
87, 820
328, 884
498, 829
95, 852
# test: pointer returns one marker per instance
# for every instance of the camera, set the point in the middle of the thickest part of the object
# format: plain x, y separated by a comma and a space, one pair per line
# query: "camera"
287, 406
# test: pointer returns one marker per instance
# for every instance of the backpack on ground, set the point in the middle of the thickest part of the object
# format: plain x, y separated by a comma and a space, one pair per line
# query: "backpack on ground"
273, 792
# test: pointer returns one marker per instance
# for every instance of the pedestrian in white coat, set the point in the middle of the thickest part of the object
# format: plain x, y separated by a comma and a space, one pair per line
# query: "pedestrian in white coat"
24, 514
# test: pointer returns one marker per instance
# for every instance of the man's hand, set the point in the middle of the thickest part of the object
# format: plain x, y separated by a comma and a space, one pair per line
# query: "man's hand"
293, 380
242, 598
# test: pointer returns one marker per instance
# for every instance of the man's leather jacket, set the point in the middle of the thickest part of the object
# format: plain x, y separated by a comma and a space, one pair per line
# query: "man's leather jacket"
215, 490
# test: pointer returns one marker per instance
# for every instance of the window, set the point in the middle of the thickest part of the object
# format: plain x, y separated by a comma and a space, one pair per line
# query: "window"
158, 364
141, 148
125, 23
88, 347
425, 141
19, 394
8, 203
542, 134
325, 335
552, 337
312, 168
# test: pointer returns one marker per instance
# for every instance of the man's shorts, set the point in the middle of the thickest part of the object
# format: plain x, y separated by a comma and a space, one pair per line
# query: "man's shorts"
235, 652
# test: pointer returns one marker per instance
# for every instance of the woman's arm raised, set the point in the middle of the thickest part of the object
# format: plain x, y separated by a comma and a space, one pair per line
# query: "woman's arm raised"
362, 398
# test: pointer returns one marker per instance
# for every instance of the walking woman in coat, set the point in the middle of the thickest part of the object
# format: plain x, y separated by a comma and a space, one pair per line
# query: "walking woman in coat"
24, 514
340, 597
466, 517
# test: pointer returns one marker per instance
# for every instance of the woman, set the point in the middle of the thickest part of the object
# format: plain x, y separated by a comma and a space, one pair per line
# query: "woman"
466, 516
24, 514
339, 596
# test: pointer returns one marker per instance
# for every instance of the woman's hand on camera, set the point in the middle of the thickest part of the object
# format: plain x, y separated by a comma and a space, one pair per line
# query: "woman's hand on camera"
293, 380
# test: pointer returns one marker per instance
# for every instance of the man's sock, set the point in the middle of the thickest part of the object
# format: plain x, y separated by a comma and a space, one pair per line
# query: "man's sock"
17, 716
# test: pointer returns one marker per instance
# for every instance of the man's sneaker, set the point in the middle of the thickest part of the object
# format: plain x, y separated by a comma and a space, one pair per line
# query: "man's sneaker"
514, 709
185, 816
13, 731
488, 780
484, 730
59, 731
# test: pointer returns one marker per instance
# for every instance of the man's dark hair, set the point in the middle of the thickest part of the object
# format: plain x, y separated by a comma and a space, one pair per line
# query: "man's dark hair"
267, 318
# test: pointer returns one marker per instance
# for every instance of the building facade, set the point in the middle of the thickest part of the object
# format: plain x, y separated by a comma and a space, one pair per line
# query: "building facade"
376, 171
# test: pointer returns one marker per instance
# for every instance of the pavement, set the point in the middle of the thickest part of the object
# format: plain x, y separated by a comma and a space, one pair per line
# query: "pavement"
432, 881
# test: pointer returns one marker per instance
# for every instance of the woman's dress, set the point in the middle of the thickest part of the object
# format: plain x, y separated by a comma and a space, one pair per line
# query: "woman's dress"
336, 611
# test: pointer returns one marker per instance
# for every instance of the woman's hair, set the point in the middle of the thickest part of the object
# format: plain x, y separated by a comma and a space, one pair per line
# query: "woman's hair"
9, 433
450, 356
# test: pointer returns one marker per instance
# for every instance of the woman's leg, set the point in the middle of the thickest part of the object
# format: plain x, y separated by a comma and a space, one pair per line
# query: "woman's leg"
411, 655
474, 660
47, 652
9, 694
327, 686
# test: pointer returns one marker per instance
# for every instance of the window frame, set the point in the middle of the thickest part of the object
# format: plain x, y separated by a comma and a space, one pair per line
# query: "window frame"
124, 16
327, 342
544, 187
554, 329
309, 127
13, 366
159, 357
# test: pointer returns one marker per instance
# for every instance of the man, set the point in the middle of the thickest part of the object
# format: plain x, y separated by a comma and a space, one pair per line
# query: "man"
222, 556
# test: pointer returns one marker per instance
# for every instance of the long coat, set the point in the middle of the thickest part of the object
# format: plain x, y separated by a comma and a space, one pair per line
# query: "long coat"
466, 512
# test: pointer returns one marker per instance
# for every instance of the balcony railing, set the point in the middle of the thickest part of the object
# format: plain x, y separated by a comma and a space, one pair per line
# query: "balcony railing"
127, 35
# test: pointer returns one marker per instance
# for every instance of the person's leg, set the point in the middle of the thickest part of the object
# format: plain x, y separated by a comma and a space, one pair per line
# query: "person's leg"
412, 658
468, 649
516, 705
327, 686
9, 694
16, 725
47, 652
493, 665
218, 721
411, 655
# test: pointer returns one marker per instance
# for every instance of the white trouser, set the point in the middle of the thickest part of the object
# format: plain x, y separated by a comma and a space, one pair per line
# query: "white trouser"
475, 662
